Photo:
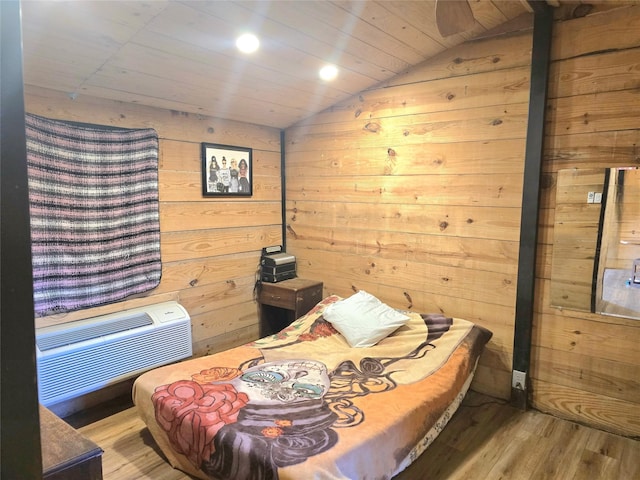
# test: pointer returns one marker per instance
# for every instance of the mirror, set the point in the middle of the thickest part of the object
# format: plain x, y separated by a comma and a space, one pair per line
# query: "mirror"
596, 245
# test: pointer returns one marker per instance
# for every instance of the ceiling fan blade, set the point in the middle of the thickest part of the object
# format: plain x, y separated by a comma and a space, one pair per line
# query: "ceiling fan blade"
454, 16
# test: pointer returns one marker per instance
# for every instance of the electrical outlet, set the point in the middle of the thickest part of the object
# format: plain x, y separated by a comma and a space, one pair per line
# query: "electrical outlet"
590, 197
518, 380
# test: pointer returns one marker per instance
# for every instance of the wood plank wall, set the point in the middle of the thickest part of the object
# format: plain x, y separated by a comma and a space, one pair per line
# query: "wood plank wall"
575, 236
412, 191
210, 248
586, 367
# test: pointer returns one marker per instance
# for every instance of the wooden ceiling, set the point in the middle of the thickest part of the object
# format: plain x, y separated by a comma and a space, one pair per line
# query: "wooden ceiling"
181, 55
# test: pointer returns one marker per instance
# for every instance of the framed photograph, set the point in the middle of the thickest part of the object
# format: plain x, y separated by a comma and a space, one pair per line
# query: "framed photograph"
226, 171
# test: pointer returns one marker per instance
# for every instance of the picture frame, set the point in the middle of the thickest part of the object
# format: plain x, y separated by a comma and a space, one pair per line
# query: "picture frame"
219, 162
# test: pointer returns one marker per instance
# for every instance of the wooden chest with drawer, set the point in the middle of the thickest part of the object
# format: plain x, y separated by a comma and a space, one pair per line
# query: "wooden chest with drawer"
283, 302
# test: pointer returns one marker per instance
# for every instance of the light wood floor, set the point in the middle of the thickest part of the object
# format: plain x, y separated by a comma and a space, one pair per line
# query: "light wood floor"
486, 439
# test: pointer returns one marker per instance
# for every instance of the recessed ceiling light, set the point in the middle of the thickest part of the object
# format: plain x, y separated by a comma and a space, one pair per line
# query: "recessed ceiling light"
328, 72
247, 43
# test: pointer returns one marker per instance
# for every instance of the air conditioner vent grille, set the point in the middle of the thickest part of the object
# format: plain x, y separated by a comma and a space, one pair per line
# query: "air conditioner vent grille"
92, 330
104, 364
95, 353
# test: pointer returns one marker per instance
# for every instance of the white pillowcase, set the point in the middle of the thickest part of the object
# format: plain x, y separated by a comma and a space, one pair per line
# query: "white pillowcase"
363, 320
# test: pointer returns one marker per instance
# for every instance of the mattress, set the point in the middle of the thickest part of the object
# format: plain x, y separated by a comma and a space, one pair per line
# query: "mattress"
304, 404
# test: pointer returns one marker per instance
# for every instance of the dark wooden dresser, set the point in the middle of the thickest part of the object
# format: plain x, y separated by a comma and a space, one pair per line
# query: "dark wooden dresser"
66, 454
283, 302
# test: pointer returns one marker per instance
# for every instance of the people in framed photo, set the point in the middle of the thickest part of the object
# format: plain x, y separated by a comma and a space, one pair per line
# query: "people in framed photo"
226, 170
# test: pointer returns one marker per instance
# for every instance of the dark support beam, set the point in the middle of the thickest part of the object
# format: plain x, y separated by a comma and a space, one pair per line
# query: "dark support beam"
20, 454
540, 59
283, 193
538, 6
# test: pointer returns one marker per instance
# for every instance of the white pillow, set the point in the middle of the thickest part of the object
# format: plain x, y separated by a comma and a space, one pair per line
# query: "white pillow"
363, 320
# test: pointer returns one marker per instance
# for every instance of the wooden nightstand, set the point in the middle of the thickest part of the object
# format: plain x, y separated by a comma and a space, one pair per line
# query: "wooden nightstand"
283, 302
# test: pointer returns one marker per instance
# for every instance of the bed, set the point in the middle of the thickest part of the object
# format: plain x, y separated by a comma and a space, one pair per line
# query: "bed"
304, 403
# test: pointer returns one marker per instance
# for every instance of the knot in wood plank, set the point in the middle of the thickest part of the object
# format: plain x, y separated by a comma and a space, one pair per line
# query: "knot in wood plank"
373, 127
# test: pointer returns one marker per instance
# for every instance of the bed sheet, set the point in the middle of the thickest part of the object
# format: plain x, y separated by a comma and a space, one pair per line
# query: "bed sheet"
303, 404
